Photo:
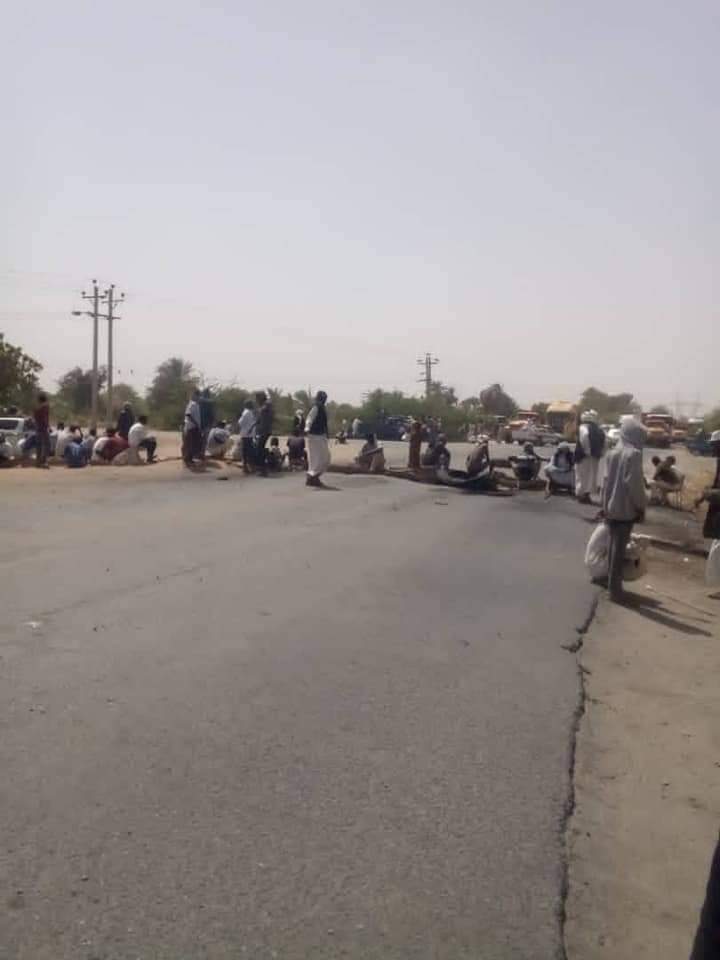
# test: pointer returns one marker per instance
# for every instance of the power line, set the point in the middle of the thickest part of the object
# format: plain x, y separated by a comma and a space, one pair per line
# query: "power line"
428, 362
108, 297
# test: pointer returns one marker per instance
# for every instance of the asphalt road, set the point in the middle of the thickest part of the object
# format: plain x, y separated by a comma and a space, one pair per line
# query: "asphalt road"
251, 719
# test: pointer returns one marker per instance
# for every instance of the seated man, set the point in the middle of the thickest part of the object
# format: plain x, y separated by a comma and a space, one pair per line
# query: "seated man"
74, 451
560, 472
666, 479
437, 453
526, 467
6, 452
108, 447
28, 442
275, 456
218, 441
478, 460
140, 439
88, 443
296, 452
372, 456
62, 438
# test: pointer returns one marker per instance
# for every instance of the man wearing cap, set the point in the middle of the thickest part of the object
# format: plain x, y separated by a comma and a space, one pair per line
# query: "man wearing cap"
588, 451
318, 450
624, 499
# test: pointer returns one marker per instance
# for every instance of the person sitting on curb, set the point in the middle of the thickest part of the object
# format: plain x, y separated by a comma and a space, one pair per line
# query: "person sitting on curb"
666, 480
108, 447
218, 441
371, 458
275, 456
74, 451
139, 439
296, 452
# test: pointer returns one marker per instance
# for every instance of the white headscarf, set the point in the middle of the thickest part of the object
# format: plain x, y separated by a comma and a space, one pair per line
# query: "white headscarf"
632, 432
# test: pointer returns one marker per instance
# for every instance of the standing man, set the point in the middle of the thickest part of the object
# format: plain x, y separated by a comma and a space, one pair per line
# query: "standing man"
41, 416
415, 444
624, 499
246, 429
318, 450
192, 435
125, 421
207, 418
588, 451
263, 429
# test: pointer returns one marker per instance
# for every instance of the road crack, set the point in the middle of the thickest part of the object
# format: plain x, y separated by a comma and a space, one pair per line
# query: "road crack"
569, 808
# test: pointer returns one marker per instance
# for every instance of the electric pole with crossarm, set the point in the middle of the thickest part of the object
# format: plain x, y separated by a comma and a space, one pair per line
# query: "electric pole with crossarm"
428, 361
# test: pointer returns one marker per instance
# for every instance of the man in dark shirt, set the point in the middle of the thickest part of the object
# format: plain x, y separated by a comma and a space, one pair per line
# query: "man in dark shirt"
207, 417
125, 421
41, 416
263, 429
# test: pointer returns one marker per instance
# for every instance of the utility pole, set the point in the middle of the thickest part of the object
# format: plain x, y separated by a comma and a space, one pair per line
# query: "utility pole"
428, 362
111, 302
96, 297
107, 296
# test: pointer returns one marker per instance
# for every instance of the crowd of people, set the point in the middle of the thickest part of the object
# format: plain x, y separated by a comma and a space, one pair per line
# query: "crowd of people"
128, 442
252, 443
614, 476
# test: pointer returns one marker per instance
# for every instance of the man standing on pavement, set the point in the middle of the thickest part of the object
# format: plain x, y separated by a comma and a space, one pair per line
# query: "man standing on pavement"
263, 429
588, 451
624, 498
192, 436
41, 416
318, 450
246, 429
125, 421
207, 418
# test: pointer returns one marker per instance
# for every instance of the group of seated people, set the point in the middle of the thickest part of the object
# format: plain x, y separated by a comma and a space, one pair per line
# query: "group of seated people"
113, 447
221, 443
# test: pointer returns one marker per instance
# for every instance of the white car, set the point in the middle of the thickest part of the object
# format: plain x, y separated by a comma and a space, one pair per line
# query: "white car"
13, 429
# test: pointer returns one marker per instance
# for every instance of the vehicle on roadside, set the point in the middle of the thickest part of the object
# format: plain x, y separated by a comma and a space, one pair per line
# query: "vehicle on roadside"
14, 429
699, 445
659, 429
528, 431
388, 428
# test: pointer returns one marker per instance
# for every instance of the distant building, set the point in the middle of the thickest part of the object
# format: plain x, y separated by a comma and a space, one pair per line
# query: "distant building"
559, 414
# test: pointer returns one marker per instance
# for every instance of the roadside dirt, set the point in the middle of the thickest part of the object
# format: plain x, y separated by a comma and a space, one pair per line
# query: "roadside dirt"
647, 803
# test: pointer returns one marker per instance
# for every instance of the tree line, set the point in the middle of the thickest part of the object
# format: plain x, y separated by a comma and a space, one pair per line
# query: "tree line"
175, 378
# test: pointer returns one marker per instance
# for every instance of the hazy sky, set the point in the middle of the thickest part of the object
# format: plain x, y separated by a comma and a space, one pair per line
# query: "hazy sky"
315, 193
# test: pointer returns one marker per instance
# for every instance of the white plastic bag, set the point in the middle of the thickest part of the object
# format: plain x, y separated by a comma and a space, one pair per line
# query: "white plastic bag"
712, 565
635, 565
597, 555
596, 552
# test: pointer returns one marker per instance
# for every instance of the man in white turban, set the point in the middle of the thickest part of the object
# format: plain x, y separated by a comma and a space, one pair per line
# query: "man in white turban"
588, 453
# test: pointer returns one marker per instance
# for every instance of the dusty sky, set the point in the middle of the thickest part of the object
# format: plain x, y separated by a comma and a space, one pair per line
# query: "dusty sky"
316, 193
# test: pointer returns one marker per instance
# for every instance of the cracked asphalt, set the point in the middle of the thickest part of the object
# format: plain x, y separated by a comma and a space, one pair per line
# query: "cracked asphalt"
252, 719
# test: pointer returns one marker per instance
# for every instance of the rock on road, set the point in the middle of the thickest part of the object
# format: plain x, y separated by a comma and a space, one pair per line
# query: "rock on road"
252, 719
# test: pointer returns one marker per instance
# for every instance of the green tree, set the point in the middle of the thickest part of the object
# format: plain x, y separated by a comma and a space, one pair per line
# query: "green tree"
608, 406
75, 389
18, 376
496, 402
541, 409
174, 381
123, 393
660, 408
